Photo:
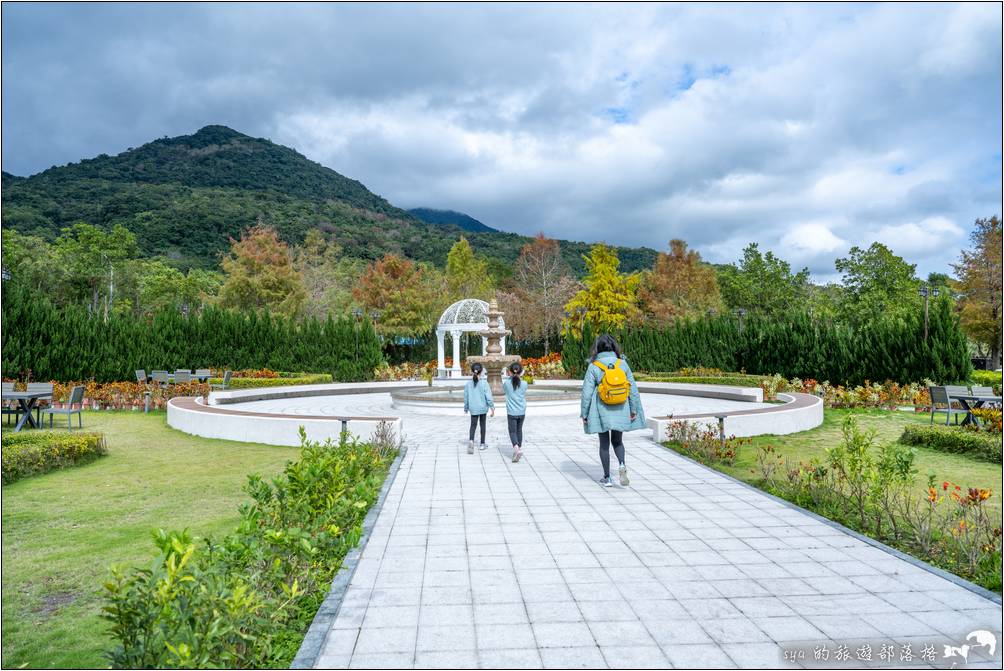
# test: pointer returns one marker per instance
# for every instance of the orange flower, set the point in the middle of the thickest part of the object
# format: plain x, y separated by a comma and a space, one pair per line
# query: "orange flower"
932, 494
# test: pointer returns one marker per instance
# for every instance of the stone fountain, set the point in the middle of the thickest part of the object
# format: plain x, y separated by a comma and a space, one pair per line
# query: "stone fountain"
494, 361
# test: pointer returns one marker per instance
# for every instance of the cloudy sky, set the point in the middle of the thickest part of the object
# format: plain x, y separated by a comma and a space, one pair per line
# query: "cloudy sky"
805, 128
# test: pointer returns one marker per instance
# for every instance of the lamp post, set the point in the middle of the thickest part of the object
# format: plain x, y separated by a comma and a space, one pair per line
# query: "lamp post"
925, 293
740, 312
357, 313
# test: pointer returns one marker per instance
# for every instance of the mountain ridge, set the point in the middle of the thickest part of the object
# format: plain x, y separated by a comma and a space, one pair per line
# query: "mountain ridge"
185, 197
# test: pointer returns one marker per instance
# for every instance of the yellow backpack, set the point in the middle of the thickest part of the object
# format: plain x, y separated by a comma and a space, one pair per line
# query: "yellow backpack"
614, 387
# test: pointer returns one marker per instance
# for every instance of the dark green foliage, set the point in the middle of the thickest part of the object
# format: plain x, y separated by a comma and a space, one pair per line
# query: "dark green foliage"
798, 347
246, 601
185, 197
450, 217
979, 445
35, 452
71, 344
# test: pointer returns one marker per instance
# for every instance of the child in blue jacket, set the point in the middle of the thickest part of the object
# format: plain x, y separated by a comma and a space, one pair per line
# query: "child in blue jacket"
515, 408
477, 401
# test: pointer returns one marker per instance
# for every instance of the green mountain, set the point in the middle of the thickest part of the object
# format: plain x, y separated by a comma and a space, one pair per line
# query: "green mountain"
185, 197
460, 219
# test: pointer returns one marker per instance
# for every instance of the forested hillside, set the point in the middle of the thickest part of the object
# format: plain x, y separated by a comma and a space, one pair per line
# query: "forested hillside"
185, 197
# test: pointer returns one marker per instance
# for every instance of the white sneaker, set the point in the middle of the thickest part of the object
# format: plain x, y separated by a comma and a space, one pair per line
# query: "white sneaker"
624, 478
470, 447
516, 454
483, 447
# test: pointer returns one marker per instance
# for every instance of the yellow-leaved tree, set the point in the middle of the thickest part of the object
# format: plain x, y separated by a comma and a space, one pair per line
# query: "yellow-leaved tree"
609, 300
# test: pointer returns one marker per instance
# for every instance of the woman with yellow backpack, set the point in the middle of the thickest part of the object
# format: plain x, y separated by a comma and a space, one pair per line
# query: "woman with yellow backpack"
611, 404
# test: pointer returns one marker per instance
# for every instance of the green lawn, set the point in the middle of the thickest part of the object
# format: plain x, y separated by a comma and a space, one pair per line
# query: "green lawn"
888, 426
62, 530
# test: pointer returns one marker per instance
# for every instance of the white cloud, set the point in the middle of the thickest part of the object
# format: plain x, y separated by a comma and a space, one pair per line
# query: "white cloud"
806, 128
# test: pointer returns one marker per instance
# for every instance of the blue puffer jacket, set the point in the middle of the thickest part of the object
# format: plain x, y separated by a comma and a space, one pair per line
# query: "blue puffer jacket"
601, 417
477, 399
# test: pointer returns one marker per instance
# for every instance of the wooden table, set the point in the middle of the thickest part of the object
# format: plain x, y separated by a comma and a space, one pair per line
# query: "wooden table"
970, 403
26, 401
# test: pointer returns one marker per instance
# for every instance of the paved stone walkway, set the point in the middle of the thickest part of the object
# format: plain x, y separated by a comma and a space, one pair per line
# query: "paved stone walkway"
476, 561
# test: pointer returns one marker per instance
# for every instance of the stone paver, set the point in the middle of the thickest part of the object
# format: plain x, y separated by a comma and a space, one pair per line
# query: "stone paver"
476, 561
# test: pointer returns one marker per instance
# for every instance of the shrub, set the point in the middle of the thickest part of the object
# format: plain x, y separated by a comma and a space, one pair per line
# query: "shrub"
253, 382
35, 452
703, 442
980, 445
987, 378
246, 600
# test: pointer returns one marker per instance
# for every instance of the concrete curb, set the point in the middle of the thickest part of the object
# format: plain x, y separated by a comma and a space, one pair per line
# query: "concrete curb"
941, 573
313, 640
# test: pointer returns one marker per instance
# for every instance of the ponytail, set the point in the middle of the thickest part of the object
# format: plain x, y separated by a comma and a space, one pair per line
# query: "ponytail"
476, 370
516, 368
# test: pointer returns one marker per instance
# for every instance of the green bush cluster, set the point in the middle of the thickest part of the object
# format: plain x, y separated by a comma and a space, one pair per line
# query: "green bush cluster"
983, 446
35, 452
255, 382
72, 344
798, 346
246, 601
987, 378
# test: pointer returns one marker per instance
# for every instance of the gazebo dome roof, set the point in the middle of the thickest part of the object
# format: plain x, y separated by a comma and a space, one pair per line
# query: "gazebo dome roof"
466, 312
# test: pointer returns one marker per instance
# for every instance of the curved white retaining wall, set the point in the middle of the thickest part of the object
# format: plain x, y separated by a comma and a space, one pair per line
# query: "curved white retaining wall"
800, 412
264, 428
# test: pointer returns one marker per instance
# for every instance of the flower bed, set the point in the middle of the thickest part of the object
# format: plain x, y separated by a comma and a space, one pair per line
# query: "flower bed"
29, 453
542, 368
872, 488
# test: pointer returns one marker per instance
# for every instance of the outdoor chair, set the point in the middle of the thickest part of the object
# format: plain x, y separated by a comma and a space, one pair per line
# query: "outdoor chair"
939, 395
986, 391
226, 381
182, 376
203, 374
160, 376
41, 403
76, 399
141, 376
8, 407
954, 391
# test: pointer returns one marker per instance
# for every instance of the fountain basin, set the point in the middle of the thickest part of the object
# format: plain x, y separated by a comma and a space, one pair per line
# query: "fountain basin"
540, 400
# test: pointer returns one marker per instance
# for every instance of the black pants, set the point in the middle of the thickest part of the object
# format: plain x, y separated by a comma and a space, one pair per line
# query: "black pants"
617, 437
516, 430
474, 424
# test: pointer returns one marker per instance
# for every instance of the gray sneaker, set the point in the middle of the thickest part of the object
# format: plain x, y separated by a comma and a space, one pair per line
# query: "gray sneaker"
470, 447
624, 478
605, 482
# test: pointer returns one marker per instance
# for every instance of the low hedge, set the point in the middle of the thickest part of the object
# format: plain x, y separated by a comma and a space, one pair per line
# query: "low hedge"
253, 382
29, 453
246, 600
957, 440
732, 381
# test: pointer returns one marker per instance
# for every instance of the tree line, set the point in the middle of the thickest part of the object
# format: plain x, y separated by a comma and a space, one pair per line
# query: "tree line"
46, 342
798, 346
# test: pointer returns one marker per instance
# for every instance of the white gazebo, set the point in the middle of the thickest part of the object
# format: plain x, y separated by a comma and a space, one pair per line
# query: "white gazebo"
466, 316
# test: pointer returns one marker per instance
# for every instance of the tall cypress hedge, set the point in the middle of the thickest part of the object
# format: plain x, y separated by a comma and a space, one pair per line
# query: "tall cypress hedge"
71, 344
799, 346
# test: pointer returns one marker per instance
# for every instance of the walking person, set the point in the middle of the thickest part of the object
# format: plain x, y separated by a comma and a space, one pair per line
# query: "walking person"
478, 401
515, 408
611, 404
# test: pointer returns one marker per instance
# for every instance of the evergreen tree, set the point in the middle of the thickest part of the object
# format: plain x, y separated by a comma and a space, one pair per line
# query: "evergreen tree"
609, 298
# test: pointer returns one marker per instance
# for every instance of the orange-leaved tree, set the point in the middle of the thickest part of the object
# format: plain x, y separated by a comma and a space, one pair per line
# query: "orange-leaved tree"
260, 274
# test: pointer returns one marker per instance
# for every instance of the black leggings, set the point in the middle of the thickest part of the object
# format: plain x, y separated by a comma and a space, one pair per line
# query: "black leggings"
516, 430
474, 423
618, 440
